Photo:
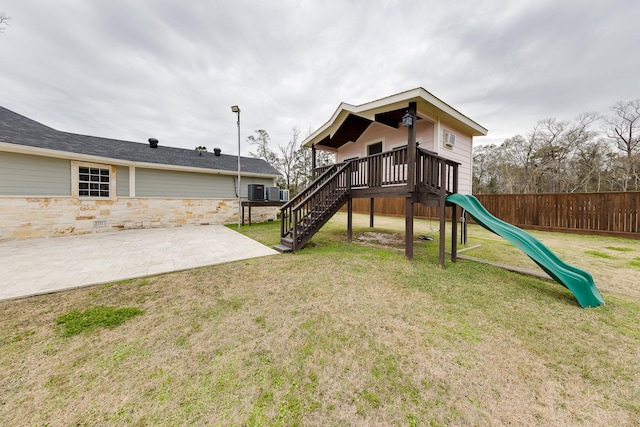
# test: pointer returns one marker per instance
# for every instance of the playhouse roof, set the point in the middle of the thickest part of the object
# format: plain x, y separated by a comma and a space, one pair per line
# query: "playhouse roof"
348, 122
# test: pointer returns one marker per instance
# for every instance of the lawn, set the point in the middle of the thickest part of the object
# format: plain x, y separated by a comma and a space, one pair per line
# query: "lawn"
337, 334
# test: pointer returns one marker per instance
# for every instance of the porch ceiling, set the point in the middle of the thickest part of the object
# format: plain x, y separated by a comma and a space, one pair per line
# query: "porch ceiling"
392, 118
354, 126
350, 130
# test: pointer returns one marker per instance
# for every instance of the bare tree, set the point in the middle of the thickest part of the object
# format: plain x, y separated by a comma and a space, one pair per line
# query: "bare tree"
261, 140
487, 169
623, 127
589, 166
4, 20
288, 159
556, 156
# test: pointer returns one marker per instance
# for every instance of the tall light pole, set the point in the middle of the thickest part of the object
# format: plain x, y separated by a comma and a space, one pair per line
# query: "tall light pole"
236, 110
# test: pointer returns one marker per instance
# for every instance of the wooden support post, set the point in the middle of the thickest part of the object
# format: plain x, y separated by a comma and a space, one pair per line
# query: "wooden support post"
454, 233
408, 228
313, 161
371, 210
443, 211
454, 218
463, 233
411, 181
350, 220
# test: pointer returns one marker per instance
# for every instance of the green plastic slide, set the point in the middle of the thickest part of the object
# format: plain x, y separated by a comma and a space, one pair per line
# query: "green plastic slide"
578, 281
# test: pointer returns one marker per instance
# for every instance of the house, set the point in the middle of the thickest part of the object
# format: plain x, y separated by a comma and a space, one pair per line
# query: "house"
410, 145
57, 183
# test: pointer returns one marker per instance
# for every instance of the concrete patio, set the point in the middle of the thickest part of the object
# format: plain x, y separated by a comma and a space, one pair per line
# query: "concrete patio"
40, 266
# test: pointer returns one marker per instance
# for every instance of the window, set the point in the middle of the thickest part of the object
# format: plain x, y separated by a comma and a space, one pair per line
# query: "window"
93, 182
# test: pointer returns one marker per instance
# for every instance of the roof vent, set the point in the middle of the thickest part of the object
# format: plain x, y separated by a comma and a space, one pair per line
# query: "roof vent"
153, 143
217, 151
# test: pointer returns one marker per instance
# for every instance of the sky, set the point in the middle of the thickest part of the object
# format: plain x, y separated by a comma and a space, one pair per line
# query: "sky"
171, 70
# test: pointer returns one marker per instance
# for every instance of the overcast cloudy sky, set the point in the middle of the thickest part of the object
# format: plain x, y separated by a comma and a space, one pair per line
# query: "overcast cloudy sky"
134, 69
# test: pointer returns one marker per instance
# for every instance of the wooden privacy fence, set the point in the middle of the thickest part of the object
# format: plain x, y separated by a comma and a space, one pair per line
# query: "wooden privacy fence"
610, 213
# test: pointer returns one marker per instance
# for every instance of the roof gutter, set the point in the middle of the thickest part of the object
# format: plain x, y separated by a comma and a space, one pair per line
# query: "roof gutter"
25, 149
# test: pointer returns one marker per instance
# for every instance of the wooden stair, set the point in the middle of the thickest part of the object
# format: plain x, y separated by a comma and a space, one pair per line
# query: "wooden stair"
303, 216
285, 245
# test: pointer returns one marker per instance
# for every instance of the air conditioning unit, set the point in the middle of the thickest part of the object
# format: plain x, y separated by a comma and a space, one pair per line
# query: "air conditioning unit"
256, 192
284, 195
449, 139
273, 194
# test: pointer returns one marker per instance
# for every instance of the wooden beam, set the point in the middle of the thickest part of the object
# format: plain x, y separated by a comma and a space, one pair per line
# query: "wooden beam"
313, 157
411, 150
411, 181
443, 202
350, 220
380, 192
463, 232
371, 211
408, 228
454, 233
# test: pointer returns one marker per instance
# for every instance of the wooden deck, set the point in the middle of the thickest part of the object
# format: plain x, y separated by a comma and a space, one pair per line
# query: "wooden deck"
419, 176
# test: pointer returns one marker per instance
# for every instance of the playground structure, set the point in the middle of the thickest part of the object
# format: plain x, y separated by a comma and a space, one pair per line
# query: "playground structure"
431, 176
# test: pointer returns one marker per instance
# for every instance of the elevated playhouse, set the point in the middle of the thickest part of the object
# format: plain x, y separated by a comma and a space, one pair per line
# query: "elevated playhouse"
415, 146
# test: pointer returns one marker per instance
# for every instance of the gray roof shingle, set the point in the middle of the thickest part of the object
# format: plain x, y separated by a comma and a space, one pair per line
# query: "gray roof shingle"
17, 129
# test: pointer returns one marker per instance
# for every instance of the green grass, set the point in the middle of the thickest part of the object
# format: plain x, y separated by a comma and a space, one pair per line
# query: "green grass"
620, 249
267, 233
336, 334
76, 322
599, 254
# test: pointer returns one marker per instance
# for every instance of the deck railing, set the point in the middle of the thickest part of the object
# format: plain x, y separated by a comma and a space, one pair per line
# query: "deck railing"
434, 172
377, 170
303, 215
390, 168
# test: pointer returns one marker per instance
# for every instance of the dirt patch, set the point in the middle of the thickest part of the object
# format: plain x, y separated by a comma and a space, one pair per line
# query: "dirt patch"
386, 240
371, 238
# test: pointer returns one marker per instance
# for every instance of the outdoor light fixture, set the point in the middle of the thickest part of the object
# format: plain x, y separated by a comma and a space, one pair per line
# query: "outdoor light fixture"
236, 110
407, 120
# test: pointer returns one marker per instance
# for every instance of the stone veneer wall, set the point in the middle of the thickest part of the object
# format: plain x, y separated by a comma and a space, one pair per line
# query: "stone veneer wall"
27, 217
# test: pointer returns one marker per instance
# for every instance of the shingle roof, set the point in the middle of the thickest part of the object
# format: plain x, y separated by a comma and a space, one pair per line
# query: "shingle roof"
17, 129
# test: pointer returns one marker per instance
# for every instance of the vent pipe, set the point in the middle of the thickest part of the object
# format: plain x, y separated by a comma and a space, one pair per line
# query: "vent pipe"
153, 143
217, 151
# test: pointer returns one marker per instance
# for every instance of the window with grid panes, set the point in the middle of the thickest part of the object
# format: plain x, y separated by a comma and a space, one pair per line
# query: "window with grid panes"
93, 182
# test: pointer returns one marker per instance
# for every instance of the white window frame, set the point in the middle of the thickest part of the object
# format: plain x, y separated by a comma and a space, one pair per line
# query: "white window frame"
75, 180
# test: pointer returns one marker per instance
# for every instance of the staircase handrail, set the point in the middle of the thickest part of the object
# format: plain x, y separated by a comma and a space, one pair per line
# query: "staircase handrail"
304, 210
337, 173
313, 184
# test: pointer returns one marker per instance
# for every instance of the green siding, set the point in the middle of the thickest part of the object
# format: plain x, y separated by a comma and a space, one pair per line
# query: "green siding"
122, 181
28, 175
162, 183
